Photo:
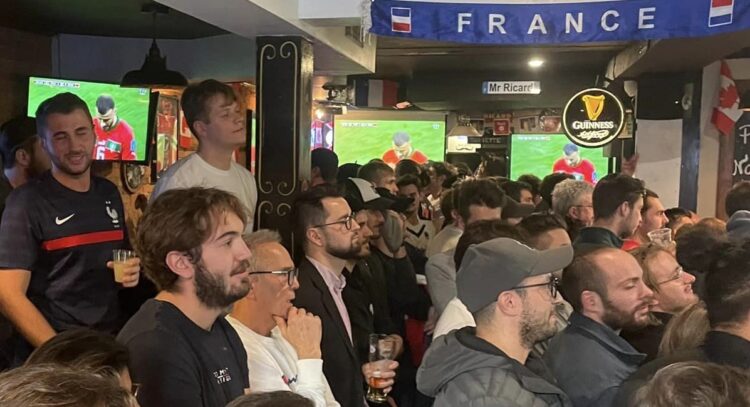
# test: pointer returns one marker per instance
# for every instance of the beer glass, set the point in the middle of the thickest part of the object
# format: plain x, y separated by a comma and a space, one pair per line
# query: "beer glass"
120, 258
661, 237
381, 353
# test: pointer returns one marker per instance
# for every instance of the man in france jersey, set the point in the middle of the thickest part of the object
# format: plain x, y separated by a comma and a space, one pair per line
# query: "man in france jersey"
115, 139
572, 163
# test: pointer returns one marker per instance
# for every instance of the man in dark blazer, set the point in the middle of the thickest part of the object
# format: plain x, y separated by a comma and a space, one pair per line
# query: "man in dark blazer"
330, 236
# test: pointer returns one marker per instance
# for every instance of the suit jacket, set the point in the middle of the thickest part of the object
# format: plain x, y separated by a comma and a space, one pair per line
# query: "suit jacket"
341, 365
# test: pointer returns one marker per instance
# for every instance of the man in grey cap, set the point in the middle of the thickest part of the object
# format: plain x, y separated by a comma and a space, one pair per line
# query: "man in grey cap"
509, 289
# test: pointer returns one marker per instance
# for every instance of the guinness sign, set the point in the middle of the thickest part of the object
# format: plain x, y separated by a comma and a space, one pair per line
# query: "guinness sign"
593, 117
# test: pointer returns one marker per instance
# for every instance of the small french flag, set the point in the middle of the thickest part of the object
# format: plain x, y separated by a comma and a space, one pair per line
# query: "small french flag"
401, 19
720, 13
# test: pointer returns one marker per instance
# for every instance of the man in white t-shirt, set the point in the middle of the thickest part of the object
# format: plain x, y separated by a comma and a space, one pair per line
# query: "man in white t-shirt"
282, 342
215, 117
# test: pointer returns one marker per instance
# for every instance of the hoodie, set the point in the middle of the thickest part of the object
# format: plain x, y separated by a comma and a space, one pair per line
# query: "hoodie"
461, 369
738, 226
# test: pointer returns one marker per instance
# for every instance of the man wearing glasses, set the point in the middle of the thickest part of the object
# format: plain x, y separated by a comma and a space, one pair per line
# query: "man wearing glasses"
325, 226
282, 342
513, 302
673, 292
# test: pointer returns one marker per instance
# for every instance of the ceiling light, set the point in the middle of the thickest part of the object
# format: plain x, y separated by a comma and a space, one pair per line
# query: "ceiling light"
536, 63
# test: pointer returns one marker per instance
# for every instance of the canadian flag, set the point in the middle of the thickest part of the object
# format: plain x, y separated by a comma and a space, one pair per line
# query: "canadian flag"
727, 112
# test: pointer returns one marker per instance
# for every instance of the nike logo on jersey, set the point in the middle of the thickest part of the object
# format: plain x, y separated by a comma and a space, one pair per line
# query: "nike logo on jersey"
59, 221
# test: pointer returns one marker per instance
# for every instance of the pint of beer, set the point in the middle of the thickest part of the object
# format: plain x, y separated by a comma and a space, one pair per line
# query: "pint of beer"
381, 353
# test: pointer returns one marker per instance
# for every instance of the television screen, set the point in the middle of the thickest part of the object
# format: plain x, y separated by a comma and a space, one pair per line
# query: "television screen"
362, 140
543, 154
121, 115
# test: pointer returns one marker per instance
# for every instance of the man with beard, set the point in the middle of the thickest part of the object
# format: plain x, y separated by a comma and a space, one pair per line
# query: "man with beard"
182, 352
652, 218
22, 155
589, 359
617, 202
282, 342
115, 138
513, 303
573, 201
330, 236
57, 237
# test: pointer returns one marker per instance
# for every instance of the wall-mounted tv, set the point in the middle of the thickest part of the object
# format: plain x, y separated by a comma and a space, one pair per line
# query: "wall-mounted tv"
361, 136
123, 118
543, 154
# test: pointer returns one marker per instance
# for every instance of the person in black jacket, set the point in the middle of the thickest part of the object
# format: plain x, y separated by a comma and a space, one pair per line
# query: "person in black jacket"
330, 237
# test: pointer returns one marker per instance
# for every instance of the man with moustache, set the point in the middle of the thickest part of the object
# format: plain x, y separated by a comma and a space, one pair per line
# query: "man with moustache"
181, 351
673, 292
589, 359
513, 303
57, 237
617, 201
325, 223
282, 342
652, 218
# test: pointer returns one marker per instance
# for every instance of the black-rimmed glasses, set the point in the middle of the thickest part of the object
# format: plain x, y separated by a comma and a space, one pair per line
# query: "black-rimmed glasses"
291, 275
552, 284
346, 222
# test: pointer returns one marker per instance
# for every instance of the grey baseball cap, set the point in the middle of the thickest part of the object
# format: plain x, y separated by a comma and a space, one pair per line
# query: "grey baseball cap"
498, 265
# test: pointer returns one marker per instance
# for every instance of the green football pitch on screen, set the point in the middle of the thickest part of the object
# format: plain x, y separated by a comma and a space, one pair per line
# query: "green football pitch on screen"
362, 140
537, 153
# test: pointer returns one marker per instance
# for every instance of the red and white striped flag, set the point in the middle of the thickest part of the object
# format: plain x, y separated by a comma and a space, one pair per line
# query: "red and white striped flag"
727, 112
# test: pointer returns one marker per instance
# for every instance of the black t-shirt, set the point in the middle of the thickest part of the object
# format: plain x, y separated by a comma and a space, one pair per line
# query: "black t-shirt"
65, 239
177, 363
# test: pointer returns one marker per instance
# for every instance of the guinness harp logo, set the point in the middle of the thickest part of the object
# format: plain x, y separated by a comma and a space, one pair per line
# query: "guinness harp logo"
594, 106
593, 117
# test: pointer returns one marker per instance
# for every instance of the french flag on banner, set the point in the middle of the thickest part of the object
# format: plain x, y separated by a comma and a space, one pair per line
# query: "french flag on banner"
727, 112
720, 13
401, 19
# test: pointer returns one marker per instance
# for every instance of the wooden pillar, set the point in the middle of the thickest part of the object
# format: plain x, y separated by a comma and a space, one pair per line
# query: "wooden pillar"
284, 109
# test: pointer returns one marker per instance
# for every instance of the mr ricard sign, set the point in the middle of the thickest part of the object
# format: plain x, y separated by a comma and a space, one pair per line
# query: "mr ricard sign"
551, 21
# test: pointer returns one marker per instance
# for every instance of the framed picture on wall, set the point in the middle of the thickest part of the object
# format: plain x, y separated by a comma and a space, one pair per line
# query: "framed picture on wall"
167, 133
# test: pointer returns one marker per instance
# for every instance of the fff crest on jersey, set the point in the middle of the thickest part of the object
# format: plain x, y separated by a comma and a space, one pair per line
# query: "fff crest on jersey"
593, 117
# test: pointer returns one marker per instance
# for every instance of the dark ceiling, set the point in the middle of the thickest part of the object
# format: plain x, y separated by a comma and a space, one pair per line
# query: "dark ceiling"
113, 18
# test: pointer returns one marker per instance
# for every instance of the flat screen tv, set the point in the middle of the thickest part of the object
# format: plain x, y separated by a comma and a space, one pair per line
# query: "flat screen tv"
543, 154
359, 140
123, 117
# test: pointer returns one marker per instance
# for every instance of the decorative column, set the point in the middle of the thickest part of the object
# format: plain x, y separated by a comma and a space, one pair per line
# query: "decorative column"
284, 103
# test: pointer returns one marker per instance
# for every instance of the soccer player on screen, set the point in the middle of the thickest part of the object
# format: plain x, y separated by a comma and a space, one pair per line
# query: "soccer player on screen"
402, 150
572, 163
115, 139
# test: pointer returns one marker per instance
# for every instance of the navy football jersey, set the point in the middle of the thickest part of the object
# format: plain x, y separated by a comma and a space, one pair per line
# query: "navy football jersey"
65, 239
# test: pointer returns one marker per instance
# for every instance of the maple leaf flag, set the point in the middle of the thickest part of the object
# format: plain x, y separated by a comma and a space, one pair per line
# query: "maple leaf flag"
727, 112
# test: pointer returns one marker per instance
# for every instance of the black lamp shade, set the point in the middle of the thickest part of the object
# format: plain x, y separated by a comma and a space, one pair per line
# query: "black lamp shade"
154, 73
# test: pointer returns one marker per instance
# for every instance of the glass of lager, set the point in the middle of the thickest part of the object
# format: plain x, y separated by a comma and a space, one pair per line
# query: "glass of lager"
120, 258
381, 353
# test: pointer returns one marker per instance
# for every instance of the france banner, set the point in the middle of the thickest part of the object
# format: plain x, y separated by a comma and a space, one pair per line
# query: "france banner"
552, 21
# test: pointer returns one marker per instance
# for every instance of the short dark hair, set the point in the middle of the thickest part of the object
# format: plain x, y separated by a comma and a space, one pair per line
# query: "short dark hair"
195, 98
272, 399
675, 214
180, 220
548, 185
84, 349
538, 223
327, 162
612, 191
104, 103
695, 246
408, 179
62, 103
374, 171
728, 284
482, 231
738, 198
534, 182
17, 133
440, 168
308, 208
513, 189
583, 275
646, 204
482, 192
346, 171
407, 166
493, 166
